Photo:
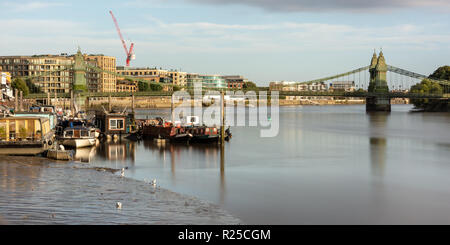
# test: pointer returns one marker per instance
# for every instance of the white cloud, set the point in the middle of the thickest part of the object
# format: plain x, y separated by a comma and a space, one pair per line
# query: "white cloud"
17, 6
332, 5
202, 46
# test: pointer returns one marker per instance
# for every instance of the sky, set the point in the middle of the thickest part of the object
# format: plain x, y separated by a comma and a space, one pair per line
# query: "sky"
263, 40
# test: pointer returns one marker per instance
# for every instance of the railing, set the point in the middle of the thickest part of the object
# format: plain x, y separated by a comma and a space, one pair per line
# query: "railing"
281, 93
16, 137
359, 94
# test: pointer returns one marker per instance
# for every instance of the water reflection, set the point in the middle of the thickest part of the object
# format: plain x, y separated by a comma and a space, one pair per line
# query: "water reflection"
117, 151
196, 155
13, 177
85, 154
222, 174
378, 142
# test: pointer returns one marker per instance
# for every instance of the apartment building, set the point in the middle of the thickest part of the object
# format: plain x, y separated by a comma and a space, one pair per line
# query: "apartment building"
296, 86
155, 75
347, 86
123, 85
179, 78
101, 81
53, 73
141, 71
235, 81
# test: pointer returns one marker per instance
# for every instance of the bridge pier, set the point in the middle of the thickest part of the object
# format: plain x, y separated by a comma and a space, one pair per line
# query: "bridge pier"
376, 103
378, 85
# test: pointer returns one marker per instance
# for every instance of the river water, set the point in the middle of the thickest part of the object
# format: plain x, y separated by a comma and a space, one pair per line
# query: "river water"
328, 165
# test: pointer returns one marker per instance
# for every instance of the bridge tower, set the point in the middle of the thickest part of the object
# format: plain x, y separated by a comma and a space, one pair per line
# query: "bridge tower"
79, 80
79, 69
373, 65
378, 85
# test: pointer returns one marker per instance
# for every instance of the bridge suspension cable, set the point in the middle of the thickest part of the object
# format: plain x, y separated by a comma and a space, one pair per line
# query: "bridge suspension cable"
415, 75
336, 76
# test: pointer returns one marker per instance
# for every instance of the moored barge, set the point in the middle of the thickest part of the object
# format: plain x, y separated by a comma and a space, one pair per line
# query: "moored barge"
25, 135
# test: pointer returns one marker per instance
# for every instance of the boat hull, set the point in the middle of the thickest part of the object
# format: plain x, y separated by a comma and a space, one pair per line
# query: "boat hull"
157, 132
205, 139
78, 143
22, 149
181, 138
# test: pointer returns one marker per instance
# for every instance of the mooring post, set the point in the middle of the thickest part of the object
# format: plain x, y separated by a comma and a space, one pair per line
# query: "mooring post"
21, 101
222, 113
109, 103
71, 102
16, 99
222, 146
132, 102
171, 109
86, 103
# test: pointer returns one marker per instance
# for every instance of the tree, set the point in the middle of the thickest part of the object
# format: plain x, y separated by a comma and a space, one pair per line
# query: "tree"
249, 85
176, 88
442, 72
143, 86
156, 87
19, 84
427, 86
32, 87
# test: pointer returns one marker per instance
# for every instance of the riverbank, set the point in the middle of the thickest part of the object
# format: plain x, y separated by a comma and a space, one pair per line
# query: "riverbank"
155, 102
36, 190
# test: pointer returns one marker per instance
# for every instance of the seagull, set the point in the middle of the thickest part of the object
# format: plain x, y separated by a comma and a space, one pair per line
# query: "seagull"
122, 173
153, 182
118, 205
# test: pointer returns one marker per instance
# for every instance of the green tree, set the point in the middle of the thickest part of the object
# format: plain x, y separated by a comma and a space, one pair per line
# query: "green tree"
21, 85
176, 88
156, 87
427, 86
442, 72
143, 86
249, 85
32, 87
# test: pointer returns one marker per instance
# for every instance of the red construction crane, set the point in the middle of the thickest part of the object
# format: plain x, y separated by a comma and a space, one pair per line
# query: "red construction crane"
130, 53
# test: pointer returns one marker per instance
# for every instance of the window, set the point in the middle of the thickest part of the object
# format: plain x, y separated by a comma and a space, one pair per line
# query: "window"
68, 133
116, 123
84, 133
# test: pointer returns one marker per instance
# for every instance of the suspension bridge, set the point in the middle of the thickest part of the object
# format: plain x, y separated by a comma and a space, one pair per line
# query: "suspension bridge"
377, 82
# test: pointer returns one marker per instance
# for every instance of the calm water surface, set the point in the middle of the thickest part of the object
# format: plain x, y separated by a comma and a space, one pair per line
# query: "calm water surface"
328, 165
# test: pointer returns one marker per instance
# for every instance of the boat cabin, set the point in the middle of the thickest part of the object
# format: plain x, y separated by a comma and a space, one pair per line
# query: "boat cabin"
115, 123
45, 108
13, 129
78, 132
53, 119
193, 120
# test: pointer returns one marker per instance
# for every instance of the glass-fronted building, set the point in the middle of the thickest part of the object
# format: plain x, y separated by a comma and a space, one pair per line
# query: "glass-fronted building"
207, 81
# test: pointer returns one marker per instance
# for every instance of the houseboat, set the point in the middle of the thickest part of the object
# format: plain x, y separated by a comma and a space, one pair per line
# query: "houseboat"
76, 122
203, 134
166, 131
77, 137
115, 124
53, 119
25, 135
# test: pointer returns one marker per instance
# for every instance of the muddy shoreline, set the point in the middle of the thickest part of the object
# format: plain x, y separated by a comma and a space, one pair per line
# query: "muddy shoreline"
38, 191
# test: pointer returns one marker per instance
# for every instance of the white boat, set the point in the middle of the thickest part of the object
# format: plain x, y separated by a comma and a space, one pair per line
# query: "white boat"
78, 137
